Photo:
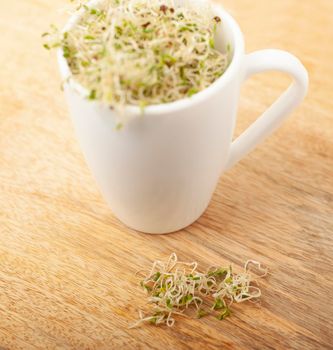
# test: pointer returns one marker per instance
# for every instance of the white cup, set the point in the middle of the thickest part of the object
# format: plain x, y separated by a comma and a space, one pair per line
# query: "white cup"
158, 173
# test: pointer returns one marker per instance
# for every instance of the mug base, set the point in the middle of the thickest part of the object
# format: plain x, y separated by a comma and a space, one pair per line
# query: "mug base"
161, 230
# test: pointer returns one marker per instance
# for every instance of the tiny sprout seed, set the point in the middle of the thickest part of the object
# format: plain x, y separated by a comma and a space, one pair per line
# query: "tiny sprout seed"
164, 8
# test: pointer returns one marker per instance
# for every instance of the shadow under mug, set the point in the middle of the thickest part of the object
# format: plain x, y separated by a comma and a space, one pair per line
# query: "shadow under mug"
158, 174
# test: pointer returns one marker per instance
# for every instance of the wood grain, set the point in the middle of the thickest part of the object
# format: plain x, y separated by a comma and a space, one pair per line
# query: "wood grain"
67, 265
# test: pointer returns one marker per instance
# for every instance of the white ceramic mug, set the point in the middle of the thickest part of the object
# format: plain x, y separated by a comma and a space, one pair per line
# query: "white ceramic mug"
158, 174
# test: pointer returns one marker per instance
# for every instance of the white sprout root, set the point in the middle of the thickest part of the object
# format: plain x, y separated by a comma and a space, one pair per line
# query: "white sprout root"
173, 287
134, 52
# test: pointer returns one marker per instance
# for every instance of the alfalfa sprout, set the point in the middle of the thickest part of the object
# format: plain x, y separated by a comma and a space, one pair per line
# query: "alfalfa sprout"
137, 52
176, 288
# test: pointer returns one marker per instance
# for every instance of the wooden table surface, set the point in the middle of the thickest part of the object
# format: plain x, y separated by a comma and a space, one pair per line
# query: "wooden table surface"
67, 265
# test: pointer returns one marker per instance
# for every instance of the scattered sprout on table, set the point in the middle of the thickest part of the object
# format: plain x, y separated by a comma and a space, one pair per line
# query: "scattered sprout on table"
177, 288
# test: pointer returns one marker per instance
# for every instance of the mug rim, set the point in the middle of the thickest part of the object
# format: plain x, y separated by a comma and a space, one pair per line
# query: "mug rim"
184, 103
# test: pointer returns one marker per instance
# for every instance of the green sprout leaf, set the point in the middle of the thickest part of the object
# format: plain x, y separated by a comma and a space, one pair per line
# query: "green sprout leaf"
157, 276
142, 105
192, 92
89, 37
67, 51
185, 29
153, 320
220, 272
228, 280
169, 304
168, 60
94, 11
225, 313
218, 304
119, 30
92, 95
147, 30
119, 126
201, 313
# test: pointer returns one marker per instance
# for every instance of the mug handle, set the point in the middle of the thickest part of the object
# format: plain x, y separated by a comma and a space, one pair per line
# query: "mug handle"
270, 120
